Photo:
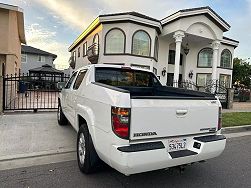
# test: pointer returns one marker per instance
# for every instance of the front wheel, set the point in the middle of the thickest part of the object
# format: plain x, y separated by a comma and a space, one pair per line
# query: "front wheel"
62, 120
88, 160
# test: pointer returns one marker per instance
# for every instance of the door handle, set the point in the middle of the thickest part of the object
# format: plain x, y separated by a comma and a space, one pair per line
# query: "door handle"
181, 112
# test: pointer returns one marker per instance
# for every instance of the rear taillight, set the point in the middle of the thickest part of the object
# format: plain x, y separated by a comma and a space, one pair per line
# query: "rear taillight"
219, 119
121, 121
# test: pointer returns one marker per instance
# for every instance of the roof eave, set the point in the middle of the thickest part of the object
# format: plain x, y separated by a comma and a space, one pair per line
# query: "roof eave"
193, 12
230, 42
85, 33
20, 22
128, 17
112, 18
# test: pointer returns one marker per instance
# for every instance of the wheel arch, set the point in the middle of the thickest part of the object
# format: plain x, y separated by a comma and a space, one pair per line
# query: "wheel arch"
82, 120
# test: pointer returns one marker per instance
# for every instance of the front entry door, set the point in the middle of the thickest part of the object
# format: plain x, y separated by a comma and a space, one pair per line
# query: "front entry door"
170, 79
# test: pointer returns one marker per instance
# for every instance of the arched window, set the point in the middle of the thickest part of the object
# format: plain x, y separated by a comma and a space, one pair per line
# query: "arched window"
205, 57
226, 59
96, 39
141, 43
156, 48
115, 41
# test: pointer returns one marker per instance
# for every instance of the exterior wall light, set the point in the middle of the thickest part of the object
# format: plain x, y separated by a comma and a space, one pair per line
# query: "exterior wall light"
163, 72
186, 49
190, 74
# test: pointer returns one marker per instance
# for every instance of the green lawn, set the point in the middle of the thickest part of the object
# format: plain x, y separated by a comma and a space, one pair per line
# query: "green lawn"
236, 118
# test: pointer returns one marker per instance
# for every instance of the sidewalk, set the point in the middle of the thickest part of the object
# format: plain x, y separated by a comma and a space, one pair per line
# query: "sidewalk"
34, 135
239, 107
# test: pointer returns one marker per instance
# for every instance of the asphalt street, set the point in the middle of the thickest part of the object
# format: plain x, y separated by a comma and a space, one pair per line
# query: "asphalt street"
231, 169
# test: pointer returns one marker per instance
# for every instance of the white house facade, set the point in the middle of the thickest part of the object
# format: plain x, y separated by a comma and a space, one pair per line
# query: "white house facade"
187, 45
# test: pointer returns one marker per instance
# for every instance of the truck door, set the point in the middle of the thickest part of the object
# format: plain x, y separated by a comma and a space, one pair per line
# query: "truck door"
74, 95
66, 95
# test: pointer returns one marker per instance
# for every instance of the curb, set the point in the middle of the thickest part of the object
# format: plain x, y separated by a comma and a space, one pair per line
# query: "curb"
35, 154
236, 129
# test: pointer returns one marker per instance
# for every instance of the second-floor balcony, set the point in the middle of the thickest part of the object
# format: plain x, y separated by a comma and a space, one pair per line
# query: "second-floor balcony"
93, 53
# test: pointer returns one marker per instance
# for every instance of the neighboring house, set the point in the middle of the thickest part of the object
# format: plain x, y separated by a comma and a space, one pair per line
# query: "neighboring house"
34, 58
187, 45
11, 36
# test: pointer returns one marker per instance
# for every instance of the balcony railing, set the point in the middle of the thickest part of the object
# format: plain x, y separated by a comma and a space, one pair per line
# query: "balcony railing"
185, 84
93, 53
72, 62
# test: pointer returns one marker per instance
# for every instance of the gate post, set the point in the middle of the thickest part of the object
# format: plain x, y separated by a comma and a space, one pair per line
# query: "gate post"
230, 98
1, 94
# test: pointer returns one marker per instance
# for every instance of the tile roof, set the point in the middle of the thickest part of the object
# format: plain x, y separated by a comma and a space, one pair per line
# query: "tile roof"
137, 14
46, 69
31, 50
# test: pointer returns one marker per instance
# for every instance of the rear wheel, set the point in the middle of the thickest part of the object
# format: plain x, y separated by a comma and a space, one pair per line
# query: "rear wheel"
88, 160
62, 120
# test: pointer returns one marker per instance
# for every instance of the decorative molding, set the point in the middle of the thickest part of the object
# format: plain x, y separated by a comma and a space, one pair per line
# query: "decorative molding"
178, 36
216, 45
195, 12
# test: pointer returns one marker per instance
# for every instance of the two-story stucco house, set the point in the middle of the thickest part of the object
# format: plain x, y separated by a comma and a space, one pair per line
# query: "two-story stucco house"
11, 36
187, 45
34, 58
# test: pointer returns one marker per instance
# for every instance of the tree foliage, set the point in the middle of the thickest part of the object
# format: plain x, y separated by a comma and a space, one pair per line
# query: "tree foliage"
241, 72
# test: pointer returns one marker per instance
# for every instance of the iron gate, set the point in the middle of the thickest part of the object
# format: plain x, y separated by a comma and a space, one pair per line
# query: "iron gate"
215, 87
219, 88
26, 92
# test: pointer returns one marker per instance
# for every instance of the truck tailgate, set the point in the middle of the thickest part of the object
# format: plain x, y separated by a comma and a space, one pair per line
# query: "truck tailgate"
153, 118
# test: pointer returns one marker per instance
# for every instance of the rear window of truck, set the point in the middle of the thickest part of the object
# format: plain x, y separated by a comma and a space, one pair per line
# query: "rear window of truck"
125, 77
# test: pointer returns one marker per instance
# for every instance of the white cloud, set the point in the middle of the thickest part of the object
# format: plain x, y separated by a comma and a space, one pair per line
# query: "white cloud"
157, 9
44, 39
70, 12
40, 18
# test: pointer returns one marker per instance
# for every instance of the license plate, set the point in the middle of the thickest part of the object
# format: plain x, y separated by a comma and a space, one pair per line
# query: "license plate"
177, 144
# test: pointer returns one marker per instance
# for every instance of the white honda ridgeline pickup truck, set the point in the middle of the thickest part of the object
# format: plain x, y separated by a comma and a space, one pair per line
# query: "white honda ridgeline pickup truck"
126, 118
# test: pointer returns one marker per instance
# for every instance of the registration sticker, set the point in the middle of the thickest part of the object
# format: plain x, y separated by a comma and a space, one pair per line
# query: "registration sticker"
177, 144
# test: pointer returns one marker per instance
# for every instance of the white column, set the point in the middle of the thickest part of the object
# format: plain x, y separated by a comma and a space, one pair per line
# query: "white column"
178, 40
215, 45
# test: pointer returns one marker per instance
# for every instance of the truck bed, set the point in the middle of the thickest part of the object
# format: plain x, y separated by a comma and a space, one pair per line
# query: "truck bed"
161, 92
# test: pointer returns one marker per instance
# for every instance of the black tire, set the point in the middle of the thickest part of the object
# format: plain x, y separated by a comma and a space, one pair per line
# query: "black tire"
62, 120
91, 161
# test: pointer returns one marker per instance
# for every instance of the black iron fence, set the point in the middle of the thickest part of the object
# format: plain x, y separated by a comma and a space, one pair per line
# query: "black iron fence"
26, 92
219, 88
185, 84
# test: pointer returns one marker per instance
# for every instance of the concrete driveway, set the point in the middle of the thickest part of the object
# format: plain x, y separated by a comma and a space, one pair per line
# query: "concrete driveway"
34, 138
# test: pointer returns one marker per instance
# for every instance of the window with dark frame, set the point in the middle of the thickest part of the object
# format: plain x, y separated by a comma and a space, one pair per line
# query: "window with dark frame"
74, 56
115, 41
155, 71
205, 58
226, 59
41, 58
96, 39
156, 48
23, 58
141, 43
85, 49
79, 51
203, 79
225, 80
171, 57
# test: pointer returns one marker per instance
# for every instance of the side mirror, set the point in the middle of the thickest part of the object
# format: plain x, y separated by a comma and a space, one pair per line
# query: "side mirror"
60, 85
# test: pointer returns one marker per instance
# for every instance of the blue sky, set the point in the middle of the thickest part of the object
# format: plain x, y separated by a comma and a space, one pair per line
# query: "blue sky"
53, 25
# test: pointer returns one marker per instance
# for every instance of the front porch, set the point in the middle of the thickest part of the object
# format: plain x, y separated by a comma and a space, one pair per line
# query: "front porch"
195, 59
194, 50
